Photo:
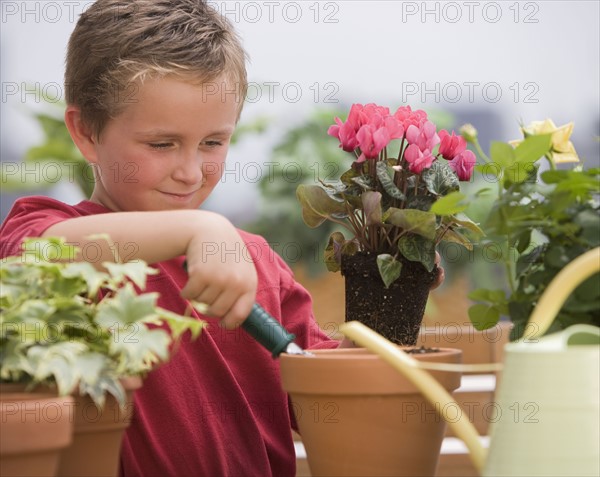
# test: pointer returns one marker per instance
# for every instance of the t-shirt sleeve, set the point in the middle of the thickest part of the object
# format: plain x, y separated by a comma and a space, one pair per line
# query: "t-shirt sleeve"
297, 313
282, 296
31, 217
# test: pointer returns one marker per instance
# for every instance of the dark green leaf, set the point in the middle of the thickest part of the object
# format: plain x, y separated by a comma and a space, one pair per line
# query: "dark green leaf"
440, 179
389, 268
387, 182
411, 220
483, 316
418, 249
496, 297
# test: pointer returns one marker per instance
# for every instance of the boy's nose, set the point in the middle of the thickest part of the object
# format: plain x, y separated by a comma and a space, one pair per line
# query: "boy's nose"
189, 168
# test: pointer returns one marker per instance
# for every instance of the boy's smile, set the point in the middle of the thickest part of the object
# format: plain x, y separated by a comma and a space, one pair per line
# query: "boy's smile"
167, 148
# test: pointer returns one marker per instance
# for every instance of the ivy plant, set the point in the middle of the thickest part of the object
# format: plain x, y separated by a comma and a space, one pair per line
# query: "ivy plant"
65, 323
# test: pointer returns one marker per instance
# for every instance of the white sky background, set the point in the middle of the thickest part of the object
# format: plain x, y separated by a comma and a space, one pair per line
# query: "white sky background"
521, 60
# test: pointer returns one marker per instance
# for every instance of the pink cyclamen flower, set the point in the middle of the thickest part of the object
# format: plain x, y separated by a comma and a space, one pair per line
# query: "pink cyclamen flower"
373, 114
345, 133
424, 137
371, 141
418, 160
408, 117
451, 145
354, 116
463, 165
394, 127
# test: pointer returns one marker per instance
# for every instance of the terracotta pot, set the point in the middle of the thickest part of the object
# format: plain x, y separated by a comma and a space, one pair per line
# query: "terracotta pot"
97, 435
357, 417
35, 427
395, 312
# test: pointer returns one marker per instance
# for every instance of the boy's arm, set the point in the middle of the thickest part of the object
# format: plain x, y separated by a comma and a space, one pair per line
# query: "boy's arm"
219, 273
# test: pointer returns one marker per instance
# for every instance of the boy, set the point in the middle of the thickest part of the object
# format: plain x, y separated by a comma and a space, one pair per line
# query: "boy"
154, 91
142, 108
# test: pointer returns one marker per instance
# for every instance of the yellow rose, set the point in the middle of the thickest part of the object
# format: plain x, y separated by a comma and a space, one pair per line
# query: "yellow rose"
563, 150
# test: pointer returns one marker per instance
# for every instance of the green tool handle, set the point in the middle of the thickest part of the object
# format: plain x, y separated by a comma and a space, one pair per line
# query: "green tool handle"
267, 330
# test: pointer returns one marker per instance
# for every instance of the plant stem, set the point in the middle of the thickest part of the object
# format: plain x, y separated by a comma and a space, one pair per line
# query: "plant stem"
480, 151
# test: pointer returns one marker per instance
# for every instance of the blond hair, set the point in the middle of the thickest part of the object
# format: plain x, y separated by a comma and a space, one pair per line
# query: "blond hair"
117, 44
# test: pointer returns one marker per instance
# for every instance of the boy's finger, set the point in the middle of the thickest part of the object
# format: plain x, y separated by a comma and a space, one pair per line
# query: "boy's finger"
238, 313
439, 279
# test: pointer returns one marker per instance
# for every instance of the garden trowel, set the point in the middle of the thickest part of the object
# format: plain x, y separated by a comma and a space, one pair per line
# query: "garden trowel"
268, 331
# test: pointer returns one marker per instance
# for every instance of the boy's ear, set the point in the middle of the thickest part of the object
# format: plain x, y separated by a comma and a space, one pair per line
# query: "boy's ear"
82, 135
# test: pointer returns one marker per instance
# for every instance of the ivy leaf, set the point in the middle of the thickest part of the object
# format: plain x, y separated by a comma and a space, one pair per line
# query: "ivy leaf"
412, 220
389, 268
90, 366
136, 271
57, 361
67, 286
139, 349
94, 279
126, 307
450, 204
440, 179
48, 249
33, 314
100, 386
179, 324
418, 249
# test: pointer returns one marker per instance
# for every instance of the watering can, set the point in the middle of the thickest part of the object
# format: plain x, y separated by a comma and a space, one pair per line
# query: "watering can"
548, 400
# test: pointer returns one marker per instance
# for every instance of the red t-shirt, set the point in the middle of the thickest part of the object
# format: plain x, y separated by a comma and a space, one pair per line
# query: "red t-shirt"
217, 407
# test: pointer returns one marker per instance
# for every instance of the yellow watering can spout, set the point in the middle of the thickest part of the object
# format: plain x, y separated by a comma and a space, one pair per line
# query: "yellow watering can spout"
546, 310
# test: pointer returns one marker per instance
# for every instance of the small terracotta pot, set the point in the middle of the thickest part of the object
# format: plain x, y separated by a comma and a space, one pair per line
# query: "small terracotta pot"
35, 427
399, 309
98, 435
358, 417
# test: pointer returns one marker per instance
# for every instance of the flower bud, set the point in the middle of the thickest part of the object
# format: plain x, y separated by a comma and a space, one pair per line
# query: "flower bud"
468, 132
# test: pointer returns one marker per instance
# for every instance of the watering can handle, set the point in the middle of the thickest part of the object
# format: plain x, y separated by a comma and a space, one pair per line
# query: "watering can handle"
548, 306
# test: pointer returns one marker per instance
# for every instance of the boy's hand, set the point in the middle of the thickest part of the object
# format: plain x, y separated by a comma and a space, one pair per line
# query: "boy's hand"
221, 273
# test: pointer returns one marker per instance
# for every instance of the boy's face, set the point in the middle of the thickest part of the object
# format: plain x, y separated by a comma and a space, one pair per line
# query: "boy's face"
167, 149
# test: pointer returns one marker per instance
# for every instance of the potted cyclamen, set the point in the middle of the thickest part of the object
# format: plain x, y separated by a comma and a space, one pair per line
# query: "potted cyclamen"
399, 200
69, 329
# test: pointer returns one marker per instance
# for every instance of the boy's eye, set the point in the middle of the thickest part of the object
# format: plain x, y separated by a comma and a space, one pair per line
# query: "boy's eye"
160, 145
213, 143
